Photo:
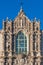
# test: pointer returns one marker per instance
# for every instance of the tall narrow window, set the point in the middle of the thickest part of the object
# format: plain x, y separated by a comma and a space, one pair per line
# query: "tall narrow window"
21, 43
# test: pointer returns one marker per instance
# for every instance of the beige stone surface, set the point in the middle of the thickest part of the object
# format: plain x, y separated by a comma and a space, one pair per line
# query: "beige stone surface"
23, 24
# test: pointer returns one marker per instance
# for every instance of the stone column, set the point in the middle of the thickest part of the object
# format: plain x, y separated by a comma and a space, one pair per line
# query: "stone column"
38, 63
31, 39
39, 44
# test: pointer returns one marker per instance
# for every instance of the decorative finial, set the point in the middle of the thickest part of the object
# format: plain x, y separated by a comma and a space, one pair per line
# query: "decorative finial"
21, 4
7, 19
21, 9
35, 19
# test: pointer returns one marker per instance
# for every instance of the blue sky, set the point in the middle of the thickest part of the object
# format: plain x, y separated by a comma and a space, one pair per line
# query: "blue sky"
32, 8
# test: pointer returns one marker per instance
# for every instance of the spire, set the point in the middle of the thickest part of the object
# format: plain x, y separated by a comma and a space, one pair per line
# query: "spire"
21, 9
7, 19
21, 4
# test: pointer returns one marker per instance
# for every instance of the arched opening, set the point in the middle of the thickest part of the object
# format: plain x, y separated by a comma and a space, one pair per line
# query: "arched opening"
21, 43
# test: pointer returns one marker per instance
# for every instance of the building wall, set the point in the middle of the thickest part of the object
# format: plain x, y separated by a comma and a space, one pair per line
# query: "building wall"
1, 48
10, 31
41, 43
41, 46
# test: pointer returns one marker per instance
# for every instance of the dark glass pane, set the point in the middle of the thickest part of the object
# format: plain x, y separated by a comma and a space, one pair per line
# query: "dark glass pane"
16, 50
25, 49
21, 41
22, 50
19, 50
21, 36
16, 43
21, 45
25, 44
25, 41
25, 37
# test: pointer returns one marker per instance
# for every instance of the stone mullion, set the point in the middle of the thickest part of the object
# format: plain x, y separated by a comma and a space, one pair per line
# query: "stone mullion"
24, 43
29, 44
18, 44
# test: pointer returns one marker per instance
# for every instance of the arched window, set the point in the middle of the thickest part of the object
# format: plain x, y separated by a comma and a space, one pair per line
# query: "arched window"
21, 43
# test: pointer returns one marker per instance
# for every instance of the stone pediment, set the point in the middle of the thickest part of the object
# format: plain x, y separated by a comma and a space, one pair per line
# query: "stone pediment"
21, 15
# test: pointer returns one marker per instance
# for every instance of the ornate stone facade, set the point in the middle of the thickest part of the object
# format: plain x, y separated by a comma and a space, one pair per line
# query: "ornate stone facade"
11, 53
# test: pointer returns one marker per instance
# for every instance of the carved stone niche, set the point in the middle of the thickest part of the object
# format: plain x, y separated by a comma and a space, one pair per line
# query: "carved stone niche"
7, 36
